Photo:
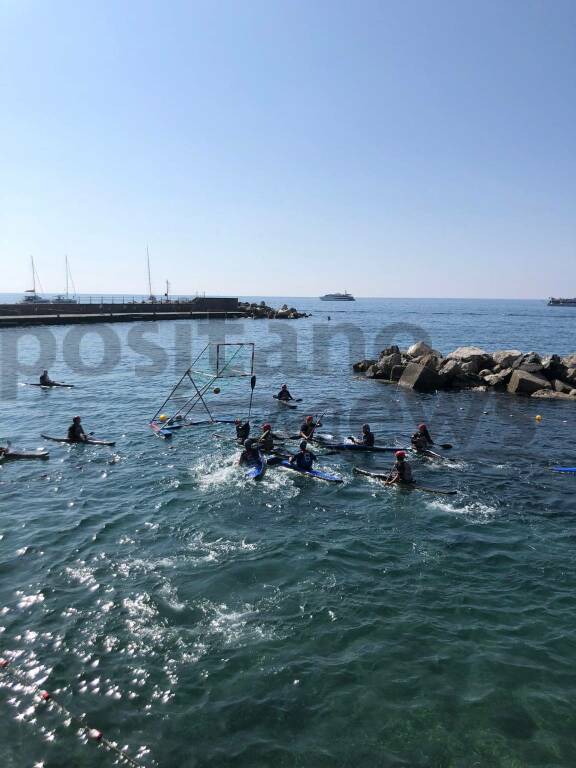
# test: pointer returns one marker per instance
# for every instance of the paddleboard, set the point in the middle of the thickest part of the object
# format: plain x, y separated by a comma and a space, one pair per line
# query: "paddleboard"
285, 403
258, 470
12, 455
316, 473
563, 469
51, 386
88, 441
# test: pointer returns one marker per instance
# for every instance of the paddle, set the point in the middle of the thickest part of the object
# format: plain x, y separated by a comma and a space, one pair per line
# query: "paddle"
252, 386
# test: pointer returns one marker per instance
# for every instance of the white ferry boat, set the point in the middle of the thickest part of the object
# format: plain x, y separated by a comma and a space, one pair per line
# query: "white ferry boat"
337, 297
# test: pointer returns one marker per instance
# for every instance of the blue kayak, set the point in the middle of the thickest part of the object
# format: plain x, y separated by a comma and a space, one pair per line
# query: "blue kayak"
563, 469
257, 470
317, 473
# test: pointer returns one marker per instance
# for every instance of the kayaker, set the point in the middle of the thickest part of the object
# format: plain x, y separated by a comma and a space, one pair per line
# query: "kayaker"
242, 430
250, 454
284, 394
421, 440
401, 471
76, 431
308, 427
304, 459
266, 439
45, 380
367, 438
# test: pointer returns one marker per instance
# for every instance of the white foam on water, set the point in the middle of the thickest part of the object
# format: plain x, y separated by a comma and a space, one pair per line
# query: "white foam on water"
476, 510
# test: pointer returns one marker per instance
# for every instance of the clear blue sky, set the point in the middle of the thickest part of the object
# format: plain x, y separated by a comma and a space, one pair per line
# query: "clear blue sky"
290, 147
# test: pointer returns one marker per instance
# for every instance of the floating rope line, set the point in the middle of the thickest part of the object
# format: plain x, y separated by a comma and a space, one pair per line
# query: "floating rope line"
93, 734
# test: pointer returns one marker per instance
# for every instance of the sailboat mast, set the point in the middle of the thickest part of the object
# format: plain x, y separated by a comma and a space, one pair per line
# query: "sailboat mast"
66, 259
149, 277
33, 273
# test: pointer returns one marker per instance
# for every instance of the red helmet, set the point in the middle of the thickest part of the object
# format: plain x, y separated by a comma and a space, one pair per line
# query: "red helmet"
309, 418
266, 427
400, 454
421, 427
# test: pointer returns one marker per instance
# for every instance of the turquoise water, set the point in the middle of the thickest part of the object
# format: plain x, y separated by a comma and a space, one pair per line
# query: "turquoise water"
200, 620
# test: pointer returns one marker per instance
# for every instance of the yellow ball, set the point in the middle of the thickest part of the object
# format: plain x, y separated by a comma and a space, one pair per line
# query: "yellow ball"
538, 417
162, 417
216, 390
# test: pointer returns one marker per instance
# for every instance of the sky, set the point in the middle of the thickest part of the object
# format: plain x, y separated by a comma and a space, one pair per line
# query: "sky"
290, 147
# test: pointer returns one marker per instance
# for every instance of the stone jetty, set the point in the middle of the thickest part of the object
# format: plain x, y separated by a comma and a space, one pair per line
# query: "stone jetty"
261, 311
424, 369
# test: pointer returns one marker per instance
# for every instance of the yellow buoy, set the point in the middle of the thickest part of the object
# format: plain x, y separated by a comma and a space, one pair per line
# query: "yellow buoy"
162, 417
538, 417
216, 390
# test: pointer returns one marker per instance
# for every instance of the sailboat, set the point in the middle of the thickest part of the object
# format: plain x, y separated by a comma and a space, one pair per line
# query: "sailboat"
30, 295
151, 298
67, 299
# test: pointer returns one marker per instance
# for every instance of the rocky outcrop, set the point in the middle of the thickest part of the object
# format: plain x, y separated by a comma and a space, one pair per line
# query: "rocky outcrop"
262, 311
424, 369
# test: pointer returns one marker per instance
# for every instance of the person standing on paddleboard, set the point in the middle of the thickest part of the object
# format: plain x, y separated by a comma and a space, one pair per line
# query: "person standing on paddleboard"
242, 430
421, 440
367, 438
76, 432
308, 427
284, 394
401, 471
304, 459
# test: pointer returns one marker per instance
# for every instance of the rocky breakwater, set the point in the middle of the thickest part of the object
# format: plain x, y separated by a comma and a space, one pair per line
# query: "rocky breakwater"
426, 370
262, 311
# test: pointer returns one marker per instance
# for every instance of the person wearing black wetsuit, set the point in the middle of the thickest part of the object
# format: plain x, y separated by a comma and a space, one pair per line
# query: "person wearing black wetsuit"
45, 380
266, 439
242, 430
250, 454
308, 427
284, 394
402, 471
76, 431
304, 459
367, 438
421, 440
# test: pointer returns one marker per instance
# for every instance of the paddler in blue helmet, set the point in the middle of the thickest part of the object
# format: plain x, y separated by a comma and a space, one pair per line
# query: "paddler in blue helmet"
401, 471
304, 459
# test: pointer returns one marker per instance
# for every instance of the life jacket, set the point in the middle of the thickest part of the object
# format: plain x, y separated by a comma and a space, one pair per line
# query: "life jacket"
243, 431
368, 439
304, 460
308, 428
404, 472
267, 441
419, 441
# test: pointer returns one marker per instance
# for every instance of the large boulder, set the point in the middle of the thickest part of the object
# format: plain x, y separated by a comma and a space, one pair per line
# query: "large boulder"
570, 360
561, 386
375, 372
419, 349
474, 358
553, 367
420, 378
363, 365
530, 362
570, 376
396, 372
548, 394
507, 357
525, 383
431, 361
449, 371
499, 380
393, 350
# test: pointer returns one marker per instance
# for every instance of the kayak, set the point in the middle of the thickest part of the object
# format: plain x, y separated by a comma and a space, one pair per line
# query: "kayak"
563, 469
317, 473
12, 455
404, 486
285, 403
88, 441
258, 469
427, 454
50, 386
359, 448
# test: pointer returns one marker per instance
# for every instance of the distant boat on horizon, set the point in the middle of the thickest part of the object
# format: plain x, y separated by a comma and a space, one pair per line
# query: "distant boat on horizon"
337, 297
30, 295
67, 299
562, 302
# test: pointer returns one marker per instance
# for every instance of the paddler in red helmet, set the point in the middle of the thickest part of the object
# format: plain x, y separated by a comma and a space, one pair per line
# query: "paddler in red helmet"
267, 437
308, 427
401, 471
422, 439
